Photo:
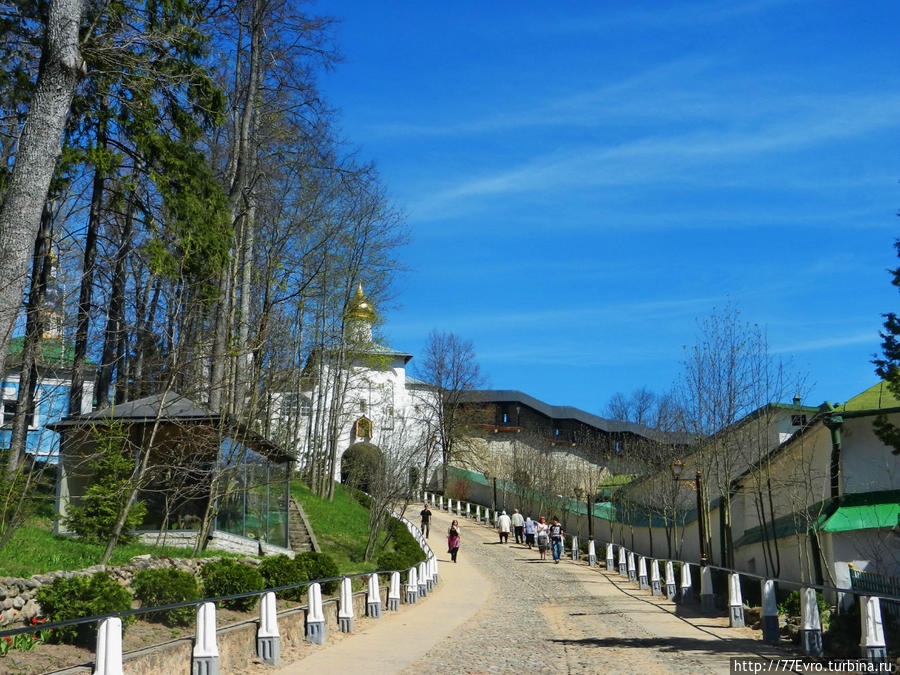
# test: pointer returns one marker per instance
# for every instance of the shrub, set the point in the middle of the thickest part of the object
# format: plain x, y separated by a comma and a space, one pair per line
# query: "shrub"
281, 570
164, 587
80, 597
229, 577
791, 604
406, 551
319, 566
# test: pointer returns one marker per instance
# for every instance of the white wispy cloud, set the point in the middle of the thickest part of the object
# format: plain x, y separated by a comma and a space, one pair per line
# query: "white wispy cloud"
673, 157
823, 343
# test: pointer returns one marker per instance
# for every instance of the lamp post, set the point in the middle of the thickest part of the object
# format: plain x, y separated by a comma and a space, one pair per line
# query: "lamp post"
697, 485
487, 474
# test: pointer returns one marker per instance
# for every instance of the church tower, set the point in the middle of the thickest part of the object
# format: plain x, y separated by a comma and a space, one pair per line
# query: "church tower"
360, 318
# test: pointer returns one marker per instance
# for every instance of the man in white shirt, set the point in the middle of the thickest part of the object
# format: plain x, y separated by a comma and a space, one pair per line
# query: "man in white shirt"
518, 523
503, 527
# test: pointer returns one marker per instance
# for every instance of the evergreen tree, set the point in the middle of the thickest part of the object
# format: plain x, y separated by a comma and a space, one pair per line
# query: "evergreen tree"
888, 366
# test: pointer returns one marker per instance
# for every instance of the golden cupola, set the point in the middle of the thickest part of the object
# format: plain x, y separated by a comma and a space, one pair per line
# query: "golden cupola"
360, 316
360, 307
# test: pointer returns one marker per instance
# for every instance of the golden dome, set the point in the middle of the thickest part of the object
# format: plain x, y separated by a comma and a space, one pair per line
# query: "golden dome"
360, 307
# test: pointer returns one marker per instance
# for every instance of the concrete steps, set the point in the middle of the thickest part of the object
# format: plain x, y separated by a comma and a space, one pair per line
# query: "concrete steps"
300, 533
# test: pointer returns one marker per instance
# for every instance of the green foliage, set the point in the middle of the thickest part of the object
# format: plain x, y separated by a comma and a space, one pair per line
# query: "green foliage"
888, 366
164, 587
228, 577
406, 551
81, 597
316, 566
107, 495
359, 464
280, 570
791, 604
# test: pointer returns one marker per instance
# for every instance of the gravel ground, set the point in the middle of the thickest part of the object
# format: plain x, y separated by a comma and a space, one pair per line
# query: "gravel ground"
569, 618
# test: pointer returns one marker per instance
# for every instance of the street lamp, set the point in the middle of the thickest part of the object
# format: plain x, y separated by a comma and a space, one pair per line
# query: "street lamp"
697, 485
487, 474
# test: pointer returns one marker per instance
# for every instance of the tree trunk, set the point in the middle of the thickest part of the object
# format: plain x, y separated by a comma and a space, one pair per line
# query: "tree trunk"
115, 322
38, 149
82, 326
34, 328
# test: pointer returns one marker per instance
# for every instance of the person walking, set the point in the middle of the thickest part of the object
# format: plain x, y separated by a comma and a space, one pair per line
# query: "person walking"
529, 528
426, 520
556, 539
518, 524
543, 537
453, 540
503, 526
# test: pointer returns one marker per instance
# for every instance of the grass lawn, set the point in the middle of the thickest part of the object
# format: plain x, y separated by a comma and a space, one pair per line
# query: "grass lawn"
341, 526
34, 549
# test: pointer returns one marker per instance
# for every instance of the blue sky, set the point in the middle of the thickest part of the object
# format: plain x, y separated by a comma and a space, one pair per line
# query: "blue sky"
583, 180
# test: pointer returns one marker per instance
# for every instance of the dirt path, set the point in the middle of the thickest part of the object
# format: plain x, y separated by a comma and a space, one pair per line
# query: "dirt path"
502, 610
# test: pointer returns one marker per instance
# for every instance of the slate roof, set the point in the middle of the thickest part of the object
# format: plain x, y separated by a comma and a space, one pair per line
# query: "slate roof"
565, 412
176, 409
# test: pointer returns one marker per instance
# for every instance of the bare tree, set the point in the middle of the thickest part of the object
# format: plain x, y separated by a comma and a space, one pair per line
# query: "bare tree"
449, 364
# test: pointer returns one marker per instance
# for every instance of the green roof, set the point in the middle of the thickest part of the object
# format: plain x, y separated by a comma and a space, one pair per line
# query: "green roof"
856, 511
876, 397
865, 511
54, 352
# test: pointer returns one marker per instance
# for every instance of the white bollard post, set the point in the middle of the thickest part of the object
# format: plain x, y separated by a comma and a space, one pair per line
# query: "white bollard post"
632, 568
433, 501
429, 577
412, 586
468, 511
811, 628
459, 508
771, 632
426, 498
109, 647
872, 646
441, 503
268, 639
487, 516
315, 616
373, 598
393, 603
575, 550
687, 594
707, 596
643, 583
623, 566
671, 591
735, 602
592, 553
423, 579
610, 558
477, 513
205, 657
655, 582
345, 610
450, 505
434, 569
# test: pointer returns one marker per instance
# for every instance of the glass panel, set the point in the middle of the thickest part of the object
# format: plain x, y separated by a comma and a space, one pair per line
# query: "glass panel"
278, 492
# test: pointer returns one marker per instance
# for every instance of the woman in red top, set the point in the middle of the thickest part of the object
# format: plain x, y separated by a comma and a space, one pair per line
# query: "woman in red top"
453, 540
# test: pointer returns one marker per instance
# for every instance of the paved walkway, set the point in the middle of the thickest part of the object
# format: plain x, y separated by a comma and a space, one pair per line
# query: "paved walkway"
502, 610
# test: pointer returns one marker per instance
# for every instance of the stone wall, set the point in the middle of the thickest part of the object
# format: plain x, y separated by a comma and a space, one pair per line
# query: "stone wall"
17, 596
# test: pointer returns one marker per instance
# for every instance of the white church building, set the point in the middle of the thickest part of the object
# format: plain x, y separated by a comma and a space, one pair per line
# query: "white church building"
357, 391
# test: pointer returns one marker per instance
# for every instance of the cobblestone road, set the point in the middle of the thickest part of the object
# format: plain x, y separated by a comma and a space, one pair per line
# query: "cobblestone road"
568, 618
